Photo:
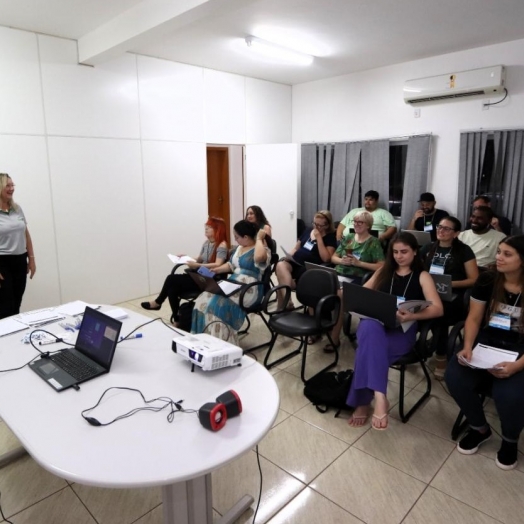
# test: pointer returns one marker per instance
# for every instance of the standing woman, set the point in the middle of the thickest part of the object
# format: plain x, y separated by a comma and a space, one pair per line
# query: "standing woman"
449, 256
212, 255
402, 275
255, 215
495, 318
17, 257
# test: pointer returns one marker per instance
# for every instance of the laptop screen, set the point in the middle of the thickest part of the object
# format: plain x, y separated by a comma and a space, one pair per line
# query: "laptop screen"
98, 336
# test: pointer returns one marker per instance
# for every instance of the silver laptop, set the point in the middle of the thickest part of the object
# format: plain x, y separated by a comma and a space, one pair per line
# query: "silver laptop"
341, 278
423, 237
444, 287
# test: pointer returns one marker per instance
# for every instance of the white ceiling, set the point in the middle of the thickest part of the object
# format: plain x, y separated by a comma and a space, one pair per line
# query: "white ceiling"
346, 35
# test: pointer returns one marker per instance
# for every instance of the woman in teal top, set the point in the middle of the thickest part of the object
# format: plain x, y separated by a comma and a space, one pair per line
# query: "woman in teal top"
358, 254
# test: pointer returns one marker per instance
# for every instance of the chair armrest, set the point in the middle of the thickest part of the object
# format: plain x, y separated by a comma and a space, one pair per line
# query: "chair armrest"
328, 304
269, 294
176, 266
243, 291
452, 339
421, 346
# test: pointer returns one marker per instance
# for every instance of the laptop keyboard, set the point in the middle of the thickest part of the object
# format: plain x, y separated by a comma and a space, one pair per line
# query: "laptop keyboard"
75, 366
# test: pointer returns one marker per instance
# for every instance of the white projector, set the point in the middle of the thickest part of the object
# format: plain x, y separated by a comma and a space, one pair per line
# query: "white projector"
206, 351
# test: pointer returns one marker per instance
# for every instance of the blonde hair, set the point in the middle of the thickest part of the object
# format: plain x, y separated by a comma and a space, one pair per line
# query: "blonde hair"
4, 181
326, 215
366, 217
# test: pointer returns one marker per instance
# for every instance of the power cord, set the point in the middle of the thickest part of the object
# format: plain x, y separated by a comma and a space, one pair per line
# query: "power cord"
2, 513
495, 103
219, 322
260, 488
175, 406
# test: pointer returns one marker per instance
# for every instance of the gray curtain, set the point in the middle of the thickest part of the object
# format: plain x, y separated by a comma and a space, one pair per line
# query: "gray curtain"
309, 188
472, 149
508, 178
415, 177
375, 169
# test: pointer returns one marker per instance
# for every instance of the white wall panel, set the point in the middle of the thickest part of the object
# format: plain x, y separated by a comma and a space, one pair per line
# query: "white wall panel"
225, 108
99, 101
268, 112
272, 171
99, 212
24, 158
21, 109
171, 100
176, 203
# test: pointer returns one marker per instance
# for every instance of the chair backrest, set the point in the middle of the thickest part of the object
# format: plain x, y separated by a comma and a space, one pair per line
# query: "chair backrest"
315, 284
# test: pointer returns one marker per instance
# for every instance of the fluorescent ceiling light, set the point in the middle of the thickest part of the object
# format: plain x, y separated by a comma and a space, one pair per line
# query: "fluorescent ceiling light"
277, 52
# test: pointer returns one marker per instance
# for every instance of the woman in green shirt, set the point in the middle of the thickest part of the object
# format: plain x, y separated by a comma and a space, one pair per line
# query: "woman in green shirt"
358, 254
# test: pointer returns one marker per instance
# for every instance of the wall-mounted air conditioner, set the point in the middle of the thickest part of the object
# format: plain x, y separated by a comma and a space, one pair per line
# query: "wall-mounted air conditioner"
487, 81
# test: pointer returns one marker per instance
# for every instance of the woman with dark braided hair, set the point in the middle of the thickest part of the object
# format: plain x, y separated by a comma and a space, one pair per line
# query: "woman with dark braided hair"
495, 318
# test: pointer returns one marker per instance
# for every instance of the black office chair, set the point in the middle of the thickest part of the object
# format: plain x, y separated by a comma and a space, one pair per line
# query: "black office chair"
189, 296
316, 289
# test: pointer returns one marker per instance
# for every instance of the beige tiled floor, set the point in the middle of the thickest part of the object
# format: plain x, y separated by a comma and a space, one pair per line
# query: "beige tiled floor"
316, 469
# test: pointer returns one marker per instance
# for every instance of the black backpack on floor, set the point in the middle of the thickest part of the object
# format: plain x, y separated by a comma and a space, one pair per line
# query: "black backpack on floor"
185, 313
329, 390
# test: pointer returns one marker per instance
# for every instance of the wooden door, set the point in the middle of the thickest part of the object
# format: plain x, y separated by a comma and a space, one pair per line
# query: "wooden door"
218, 183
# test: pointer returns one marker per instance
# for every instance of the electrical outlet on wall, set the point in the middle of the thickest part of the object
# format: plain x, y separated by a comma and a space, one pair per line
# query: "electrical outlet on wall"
485, 104
417, 112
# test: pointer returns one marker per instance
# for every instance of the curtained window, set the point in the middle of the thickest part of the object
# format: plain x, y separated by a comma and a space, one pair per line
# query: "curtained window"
492, 164
336, 176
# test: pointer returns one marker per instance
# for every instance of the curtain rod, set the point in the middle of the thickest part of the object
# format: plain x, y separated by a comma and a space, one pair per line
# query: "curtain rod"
394, 138
491, 129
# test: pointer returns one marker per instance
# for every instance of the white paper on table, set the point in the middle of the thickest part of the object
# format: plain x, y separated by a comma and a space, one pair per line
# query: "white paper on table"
40, 317
180, 260
77, 307
10, 325
487, 357
116, 313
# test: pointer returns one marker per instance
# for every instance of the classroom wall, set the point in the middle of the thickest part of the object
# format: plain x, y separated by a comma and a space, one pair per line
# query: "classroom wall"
109, 162
370, 105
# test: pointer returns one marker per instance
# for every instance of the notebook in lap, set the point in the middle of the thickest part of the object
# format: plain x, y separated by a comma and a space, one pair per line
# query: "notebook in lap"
423, 237
290, 258
92, 355
341, 278
371, 303
225, 288
444, 288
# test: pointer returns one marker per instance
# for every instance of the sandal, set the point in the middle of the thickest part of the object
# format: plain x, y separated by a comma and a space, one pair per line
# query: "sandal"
356, 421
440, 368
376, 422
331, 348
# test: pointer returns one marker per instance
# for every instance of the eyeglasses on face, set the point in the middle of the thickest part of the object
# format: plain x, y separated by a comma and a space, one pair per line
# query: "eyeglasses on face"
358, 222
319, 226
446, 229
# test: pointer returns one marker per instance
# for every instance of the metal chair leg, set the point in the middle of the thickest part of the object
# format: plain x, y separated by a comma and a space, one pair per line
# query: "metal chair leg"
406, 416
329, 366
269, 365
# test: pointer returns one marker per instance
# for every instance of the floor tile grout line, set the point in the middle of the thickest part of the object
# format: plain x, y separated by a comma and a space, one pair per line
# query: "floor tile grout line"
146, 513
83, 504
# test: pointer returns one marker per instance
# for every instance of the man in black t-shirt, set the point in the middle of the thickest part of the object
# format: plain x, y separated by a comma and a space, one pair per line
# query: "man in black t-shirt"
428, 216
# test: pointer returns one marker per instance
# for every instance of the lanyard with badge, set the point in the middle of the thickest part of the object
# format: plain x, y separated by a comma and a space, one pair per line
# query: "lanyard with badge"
403, 297
437, 269
502, 320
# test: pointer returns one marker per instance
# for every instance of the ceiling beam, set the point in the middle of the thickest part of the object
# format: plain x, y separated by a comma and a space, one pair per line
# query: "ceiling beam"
145, 22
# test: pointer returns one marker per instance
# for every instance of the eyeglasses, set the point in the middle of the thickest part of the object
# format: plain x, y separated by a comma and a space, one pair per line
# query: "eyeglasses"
445, 228
319, 226
358, 222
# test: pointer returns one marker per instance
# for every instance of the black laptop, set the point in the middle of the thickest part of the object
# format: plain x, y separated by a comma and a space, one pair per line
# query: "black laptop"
92, 355
224, 288
371, 303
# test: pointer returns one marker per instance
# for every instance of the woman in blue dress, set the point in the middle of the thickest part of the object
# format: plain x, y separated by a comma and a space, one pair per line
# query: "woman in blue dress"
222, 314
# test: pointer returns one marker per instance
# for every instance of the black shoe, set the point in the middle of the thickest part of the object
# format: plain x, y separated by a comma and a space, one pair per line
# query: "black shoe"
147, 305
507, 455
471, 442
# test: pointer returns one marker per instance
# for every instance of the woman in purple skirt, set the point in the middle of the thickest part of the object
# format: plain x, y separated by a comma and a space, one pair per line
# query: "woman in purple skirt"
402, 275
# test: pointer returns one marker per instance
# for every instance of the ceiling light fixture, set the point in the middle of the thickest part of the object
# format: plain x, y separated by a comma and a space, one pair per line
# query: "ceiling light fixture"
277, 52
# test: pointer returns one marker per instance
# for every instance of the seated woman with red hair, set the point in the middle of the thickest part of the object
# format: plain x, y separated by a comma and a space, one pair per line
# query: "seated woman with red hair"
212, 255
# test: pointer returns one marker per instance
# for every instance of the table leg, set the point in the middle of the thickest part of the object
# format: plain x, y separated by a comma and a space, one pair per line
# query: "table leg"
191, 502
10, 456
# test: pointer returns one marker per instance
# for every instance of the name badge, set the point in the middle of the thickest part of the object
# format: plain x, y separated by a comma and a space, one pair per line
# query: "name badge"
428, 227
436, 270
308, 245
500, 321
400, 300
